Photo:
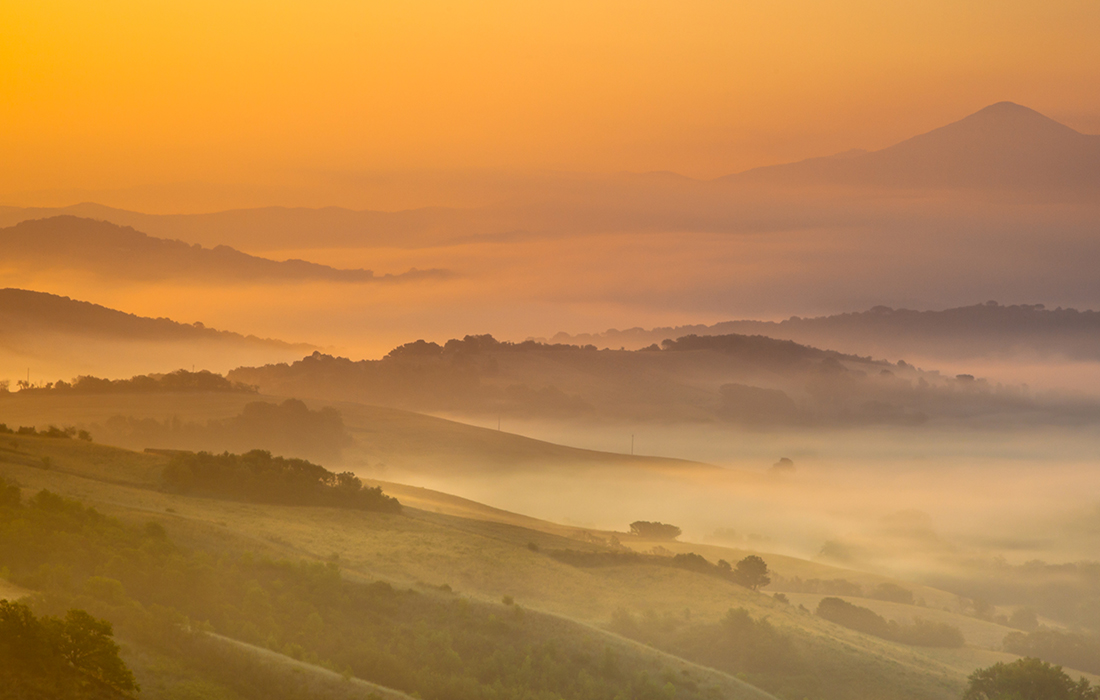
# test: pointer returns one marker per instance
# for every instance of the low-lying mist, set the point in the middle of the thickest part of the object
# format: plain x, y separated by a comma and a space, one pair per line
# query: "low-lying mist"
894, 500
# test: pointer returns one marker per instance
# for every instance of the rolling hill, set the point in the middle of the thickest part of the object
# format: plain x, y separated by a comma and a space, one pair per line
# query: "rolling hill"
968, 332
496, 569
108, 249
732, 379
61, 337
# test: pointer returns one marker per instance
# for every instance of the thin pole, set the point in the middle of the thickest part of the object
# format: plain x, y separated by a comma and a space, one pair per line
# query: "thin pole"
632, 444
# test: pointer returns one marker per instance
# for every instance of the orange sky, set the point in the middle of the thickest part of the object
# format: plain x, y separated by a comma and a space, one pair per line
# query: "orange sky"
116, 94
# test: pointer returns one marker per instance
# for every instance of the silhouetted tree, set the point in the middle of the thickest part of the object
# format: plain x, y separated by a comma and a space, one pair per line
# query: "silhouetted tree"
1027, 679
654, 530
50, 650
85, 642
752, 572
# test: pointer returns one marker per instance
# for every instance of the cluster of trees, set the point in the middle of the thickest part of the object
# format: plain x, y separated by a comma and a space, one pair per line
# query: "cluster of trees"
178, 381
435, 645
260, 477
654, 530
887, 591
289, 427
478, 344
921, 632
751, 572
71, 657
1027, 679
52, 431
1080, 651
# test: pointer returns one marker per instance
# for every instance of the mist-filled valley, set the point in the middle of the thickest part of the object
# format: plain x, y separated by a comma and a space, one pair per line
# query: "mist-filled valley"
471, 353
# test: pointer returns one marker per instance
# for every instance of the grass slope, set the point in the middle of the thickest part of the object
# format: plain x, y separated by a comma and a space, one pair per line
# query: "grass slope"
484, 553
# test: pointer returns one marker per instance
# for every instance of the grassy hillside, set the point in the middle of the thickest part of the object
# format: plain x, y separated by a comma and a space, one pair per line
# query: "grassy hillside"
381, 437
484, 554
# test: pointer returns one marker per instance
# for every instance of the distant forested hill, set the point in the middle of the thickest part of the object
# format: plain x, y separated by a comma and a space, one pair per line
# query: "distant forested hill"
738, 379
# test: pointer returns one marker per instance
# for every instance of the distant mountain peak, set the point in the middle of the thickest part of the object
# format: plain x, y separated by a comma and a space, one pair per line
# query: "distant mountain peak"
1015, 120
1002, 146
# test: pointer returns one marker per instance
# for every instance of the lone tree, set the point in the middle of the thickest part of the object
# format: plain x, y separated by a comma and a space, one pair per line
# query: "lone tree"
655, 531
59, 656
752, 572
1027, 679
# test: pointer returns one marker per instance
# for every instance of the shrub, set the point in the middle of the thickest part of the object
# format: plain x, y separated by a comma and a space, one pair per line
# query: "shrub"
654, 530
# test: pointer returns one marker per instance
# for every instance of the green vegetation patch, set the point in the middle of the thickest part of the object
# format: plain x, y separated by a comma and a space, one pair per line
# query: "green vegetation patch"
48, 657
920, 633
258, 476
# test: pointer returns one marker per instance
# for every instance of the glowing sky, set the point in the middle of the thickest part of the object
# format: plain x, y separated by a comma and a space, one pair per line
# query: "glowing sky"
112, 94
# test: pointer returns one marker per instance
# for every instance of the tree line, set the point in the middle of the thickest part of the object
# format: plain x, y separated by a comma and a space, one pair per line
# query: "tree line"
751, 572
178, 381
260, 477
920, 632
51, 432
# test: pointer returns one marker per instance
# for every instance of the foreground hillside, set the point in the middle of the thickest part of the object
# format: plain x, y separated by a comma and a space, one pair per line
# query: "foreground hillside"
461, 559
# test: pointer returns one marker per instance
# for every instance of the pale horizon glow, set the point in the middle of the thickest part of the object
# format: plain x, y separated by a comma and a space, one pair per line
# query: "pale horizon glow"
183, 107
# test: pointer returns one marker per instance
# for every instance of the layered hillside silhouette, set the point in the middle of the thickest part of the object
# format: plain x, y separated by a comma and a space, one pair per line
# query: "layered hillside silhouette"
979, 330
23, 311
63, 337
100, 247
736, 379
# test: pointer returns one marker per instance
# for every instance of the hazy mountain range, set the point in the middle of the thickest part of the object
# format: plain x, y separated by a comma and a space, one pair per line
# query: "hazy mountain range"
981, 330
60, 337
101, 247
1004, 146
1004, 150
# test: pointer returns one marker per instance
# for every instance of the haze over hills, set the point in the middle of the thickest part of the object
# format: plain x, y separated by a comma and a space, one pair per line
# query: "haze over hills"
24, 312
987, 330
728, 379
104, 248
1003, 148
277, 421
58, 337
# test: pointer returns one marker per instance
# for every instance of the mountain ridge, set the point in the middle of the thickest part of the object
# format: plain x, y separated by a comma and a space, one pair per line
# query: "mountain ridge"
74, 242
26, 310
1004, 145
975, 330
